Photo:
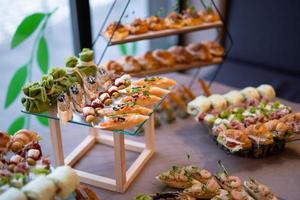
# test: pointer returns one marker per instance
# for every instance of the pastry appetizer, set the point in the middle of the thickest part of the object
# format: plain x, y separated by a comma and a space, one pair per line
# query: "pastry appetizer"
124, 109
234, 98
4, 142
164, 58
144, 99
201, 104
174, 21
64, 111
159, 92
121, 122
77, 97
122, 81
90, 87
65, 179
214, 48
279, 130
13, 194
199, 51
113, 66
266, 91
258, 190
180, 54
41, 188
89, 114
203, 191
130, 64
116, 31
161, 82
250, 93
218, 102
22, 138
209, 15
259, 134
177, 177
155, 23
138, 26
191, 17
105, 98
148, 61
234, 140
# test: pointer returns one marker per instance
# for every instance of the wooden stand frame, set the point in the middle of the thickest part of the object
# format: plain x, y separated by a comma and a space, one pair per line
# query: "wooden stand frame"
123, 178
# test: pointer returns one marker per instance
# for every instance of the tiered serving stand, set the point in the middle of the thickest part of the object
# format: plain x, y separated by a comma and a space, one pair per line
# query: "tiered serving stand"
117, 141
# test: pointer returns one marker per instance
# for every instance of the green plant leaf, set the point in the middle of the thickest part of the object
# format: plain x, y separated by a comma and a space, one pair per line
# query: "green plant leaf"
123, 49
134, 48
43, 121
15, 85
26, 28
42, 55
18, 124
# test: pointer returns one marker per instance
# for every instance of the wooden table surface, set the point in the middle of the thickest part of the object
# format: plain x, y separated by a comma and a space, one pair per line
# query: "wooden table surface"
174, 142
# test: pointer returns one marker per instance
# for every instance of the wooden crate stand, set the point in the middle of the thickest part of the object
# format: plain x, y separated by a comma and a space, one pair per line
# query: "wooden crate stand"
123, 178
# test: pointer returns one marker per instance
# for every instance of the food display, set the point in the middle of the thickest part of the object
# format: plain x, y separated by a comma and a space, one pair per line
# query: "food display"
188, 18
105, 100
162, 59
247, 122
198, 183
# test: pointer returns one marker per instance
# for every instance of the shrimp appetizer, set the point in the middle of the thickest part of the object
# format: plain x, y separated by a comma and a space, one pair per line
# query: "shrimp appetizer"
177, 177
228, 182
161, 82
203, 191
258, 190
201, 175
121, 122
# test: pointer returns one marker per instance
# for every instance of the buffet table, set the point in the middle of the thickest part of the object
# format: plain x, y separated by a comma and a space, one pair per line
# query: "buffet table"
186, 142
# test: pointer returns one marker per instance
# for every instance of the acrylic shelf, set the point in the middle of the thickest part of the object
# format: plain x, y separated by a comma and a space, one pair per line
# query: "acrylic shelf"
164, 33
77, 119
178, 67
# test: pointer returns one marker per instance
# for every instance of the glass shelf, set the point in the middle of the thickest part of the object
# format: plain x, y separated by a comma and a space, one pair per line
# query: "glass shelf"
77, 119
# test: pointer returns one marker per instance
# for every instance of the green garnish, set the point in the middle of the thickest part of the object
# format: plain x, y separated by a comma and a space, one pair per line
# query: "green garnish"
146, 93
239, 110
239, 117
225, 114
150, 79
276, 105
135, 89
252, 110
4, 181
143, 197
38, 171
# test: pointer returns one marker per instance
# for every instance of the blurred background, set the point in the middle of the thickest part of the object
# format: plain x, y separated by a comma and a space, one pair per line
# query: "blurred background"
265, 48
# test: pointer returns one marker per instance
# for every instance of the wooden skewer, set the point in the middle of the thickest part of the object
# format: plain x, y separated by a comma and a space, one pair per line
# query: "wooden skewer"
188, 92
222, 166
204, 88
